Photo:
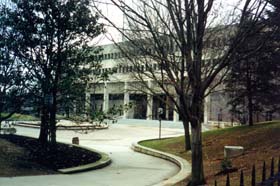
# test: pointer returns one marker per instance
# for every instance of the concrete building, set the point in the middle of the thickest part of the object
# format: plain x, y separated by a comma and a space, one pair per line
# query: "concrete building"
117, 91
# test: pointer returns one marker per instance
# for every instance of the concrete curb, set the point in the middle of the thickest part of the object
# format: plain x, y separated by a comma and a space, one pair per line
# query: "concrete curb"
181, 178
103, 162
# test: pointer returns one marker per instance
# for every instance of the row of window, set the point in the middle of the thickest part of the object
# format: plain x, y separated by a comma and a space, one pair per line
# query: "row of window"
128, 69
116, 55
140, 68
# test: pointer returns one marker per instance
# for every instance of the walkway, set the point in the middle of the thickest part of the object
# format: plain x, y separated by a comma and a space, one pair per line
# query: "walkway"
127, 169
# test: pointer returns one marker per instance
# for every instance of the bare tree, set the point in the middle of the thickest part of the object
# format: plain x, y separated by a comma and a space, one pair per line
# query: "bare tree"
183, 50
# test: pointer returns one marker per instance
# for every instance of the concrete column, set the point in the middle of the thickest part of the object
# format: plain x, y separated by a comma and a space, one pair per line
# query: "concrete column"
149, 104
206, 109
167, 108
175, 114
105, 98
125, 100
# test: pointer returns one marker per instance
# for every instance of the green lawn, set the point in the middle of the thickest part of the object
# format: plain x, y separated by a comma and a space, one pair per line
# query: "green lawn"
21, 117
26, 117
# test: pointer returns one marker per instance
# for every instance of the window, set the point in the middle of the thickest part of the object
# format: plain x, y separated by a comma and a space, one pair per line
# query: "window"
120, 69
155, 66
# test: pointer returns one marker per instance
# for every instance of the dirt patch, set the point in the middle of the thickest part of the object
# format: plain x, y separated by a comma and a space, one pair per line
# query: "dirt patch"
23, 156
260, 143
17, 161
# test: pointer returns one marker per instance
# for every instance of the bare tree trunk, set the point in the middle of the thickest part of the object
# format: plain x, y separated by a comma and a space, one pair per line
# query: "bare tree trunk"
187, 135
250, 110
53, 120
197, 159
249, 94
43, 137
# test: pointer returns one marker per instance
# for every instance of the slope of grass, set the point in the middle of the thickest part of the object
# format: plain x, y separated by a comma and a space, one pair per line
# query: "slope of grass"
21, 117
27, 117
261, 142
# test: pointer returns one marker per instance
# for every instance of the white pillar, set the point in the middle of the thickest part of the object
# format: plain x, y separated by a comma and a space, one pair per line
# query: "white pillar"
149, 107
175, 114
126, 100
206, 109
105, 98
167, 106
149, 104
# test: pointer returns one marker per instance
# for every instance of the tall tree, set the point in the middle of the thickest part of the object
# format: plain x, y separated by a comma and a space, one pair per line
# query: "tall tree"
13, 79
254, 75
51, 37
172, 36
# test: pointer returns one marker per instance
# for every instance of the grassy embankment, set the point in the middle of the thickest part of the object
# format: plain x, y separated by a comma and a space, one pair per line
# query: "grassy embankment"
27, 117
261, 142
21, 117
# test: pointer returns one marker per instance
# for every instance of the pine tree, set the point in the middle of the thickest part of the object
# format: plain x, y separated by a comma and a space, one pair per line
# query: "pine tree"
253, 81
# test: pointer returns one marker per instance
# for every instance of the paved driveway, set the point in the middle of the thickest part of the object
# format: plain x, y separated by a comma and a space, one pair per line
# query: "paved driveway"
128, 168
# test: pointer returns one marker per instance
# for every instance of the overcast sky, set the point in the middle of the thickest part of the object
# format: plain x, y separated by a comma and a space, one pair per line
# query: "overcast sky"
115, 15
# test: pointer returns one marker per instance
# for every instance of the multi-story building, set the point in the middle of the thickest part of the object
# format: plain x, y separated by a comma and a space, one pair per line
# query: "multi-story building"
116, 92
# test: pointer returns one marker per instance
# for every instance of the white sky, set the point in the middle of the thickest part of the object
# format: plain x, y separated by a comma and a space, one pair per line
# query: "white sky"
115, 15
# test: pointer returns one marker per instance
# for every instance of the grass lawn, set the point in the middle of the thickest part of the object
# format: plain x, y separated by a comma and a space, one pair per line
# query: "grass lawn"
26, 117
261, 142
21, 117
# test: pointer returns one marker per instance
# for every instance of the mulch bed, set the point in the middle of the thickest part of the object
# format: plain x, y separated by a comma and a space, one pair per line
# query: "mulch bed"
21, 156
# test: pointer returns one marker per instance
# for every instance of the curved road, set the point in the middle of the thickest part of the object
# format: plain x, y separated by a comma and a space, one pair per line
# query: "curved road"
128, 168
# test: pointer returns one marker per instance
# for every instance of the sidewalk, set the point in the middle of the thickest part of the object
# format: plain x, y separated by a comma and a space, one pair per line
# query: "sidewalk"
128, 168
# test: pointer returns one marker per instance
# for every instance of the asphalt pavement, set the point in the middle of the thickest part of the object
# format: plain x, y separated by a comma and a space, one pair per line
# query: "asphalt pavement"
128, 168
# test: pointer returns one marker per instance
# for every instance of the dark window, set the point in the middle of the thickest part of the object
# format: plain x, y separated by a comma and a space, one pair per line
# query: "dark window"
155, 66
120, 69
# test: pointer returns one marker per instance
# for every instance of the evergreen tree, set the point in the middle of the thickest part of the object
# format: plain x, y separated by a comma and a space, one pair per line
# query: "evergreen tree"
12, 77
253, 81
51, 38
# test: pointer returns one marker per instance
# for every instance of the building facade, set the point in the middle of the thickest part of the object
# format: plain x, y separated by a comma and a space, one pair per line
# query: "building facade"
117, 92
